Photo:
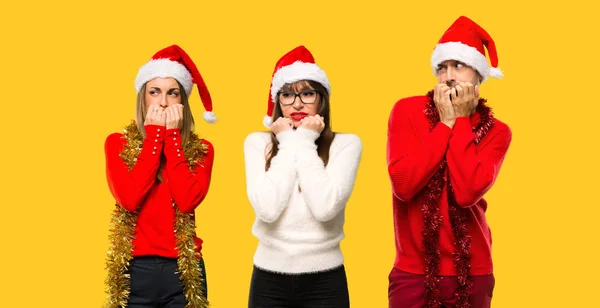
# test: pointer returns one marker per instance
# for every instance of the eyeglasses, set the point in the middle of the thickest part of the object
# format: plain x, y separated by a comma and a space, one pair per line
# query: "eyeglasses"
306, 97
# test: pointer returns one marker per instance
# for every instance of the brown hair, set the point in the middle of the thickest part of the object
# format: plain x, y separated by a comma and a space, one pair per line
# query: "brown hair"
187, 125
325, 139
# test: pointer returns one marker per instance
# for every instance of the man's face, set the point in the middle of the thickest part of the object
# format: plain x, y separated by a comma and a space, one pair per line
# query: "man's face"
450, 72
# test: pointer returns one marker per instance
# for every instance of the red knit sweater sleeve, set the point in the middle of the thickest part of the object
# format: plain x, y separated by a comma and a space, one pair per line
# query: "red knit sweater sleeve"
413, 152
188, 188
130, 187
474, 169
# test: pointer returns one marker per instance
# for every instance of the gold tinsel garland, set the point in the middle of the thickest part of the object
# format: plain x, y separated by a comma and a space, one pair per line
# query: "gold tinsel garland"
122, 233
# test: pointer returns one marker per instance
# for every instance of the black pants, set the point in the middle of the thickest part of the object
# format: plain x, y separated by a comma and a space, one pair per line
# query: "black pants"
327, 289
155, 283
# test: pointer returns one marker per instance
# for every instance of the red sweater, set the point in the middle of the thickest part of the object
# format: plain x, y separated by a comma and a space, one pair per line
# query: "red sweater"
414, 154
138, 188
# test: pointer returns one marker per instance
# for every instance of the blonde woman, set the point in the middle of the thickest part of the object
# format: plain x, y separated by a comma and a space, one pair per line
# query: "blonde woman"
159, 171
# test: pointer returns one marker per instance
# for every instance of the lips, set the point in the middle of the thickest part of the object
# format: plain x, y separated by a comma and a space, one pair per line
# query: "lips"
297, 116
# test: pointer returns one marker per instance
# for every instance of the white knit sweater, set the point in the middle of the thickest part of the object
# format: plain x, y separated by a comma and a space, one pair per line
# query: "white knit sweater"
300, 230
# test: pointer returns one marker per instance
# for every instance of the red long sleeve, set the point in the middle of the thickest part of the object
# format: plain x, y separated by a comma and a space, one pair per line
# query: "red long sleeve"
414, 155
139, 188
188, 188
412, 161
129, 188
474, 169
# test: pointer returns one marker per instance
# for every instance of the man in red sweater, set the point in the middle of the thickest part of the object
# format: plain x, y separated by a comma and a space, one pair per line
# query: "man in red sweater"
444, 153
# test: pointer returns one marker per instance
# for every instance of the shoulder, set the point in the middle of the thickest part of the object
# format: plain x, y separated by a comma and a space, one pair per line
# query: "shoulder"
409, 105
347, 141
208, 144
114, 140
347, 138
501, 128
257, 139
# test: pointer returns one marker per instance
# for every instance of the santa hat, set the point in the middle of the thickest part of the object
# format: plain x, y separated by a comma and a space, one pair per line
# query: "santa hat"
464, 42
174, 62
298, 64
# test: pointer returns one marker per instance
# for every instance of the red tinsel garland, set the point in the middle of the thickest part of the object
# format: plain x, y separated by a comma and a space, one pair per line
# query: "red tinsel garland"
458, 219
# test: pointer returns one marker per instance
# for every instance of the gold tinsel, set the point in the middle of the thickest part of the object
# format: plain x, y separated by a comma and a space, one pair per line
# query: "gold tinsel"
123, 231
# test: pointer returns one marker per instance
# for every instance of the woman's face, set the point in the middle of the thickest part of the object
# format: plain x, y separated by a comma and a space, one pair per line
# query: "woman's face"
298, 101
164, 92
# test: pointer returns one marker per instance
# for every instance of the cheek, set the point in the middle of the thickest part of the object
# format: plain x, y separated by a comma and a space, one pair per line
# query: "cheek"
442, 78
467, 76
312, 109
173, 100
285, 111
149, 100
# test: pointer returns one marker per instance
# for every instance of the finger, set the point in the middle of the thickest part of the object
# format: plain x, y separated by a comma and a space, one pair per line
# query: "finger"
151, 110
171, 114
469, 87
164, 116
444, 90
441, 89
447, 95
459, 91
476, 91
180, 110
438, 88
176, 113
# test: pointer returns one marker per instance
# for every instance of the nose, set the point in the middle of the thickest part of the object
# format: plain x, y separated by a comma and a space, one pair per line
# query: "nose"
450, 74
163, 101
298, 103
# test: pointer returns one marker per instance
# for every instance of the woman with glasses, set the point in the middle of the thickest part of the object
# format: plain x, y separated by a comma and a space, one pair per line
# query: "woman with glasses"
299, 177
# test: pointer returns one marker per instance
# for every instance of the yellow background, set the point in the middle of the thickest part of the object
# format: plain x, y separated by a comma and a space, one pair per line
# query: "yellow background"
67, 72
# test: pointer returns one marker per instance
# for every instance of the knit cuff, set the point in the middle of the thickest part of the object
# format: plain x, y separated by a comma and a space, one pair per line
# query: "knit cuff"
285, 138
307, 137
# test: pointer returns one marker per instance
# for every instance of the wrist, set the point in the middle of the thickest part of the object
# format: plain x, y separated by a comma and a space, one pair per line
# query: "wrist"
284, 135
449, 123
308, 134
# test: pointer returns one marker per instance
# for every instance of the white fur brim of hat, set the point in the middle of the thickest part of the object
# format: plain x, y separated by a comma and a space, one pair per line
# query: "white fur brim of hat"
464, 53
164, 68
298, 71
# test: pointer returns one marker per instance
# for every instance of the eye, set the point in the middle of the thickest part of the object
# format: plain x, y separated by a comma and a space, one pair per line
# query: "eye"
441, 69
459, 65
174, 93
308, 94
286, 95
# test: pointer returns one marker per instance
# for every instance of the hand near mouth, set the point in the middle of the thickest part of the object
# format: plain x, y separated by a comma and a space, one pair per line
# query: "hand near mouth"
316, 123
281, 124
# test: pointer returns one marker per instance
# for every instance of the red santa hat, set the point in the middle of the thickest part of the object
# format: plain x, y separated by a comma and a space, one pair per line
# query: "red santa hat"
174, 62
298, 64
464, 42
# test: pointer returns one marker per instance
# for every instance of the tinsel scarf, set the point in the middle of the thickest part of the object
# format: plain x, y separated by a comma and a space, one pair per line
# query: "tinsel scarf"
122, 232
458, 218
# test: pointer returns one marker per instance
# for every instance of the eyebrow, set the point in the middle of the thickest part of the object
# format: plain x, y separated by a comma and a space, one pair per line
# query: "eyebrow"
157, 88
